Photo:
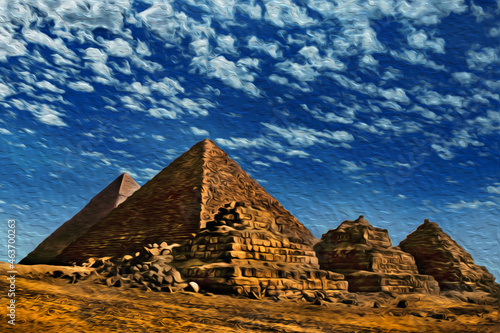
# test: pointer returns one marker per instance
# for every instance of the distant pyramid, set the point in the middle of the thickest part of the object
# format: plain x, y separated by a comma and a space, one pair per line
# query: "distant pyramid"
100, 206
177, 203
364, 254
437, 254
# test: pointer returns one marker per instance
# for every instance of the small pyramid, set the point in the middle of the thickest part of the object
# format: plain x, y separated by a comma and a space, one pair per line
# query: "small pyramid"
437, 254
177, 203
243, 251
100, 206
364, 254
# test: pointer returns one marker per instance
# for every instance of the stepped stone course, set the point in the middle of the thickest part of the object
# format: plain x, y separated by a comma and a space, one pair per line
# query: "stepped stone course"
100, 206
437, 254
243, 251
364, 254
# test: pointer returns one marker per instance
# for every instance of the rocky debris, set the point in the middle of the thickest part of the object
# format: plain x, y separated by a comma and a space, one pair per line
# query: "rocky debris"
364, 254
100, 206
177, 203
437, 254
72, 273
150, 269
243, 251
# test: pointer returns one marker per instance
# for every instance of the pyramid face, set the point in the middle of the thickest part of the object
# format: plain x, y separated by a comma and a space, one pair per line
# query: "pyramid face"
100, 206
177, 203
437, 254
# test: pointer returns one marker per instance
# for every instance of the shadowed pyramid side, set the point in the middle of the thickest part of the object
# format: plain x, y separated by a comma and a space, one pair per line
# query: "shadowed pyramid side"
437, 254
177, 203
100, 206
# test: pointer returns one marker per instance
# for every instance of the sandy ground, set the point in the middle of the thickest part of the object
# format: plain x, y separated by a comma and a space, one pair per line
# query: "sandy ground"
49, 304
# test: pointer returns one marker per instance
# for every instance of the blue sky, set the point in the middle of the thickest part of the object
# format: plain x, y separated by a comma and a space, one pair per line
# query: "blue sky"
387, 108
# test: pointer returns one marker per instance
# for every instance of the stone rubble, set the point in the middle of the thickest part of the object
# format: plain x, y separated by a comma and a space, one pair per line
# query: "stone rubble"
150, 269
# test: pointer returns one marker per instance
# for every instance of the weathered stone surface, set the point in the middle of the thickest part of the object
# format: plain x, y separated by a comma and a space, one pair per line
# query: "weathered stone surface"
150, 269
100, 206
177, 203
437, 254
243, 251
364, 254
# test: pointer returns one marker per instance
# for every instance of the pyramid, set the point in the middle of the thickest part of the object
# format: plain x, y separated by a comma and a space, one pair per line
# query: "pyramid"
437, 254
100, 206
364, 254
243, 251
177, 203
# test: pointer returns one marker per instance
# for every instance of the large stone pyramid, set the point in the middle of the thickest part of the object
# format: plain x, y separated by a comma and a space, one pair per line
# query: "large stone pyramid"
437, 254
177, 203
364, 254
100, 206
244, 251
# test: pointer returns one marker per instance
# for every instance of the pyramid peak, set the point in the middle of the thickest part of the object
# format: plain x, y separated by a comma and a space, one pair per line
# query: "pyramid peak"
429, 225
360, 220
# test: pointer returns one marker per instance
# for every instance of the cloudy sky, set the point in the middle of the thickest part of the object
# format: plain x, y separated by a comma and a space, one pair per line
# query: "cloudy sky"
387, 108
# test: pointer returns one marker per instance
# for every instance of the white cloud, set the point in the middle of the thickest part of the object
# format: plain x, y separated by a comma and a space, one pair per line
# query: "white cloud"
236, 143
261, 163
285, 12
495, 189
147, 173
5, 131
368, 60
236, 75
464, 78
305, 137
200, 132
478, 60
119, 47
303, 73
421, 40
5, 91
470, 204
35, 36
253, 10
311, 53
297, 153
435, 98
140, 89
158, 137
226, 43
349, 166
162, 113
272, 49
81, 86
120, 140
443, 152
416, 58
168, 87
143, 49
49, 86
395, 94
200, 46
329, 116
10, 47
